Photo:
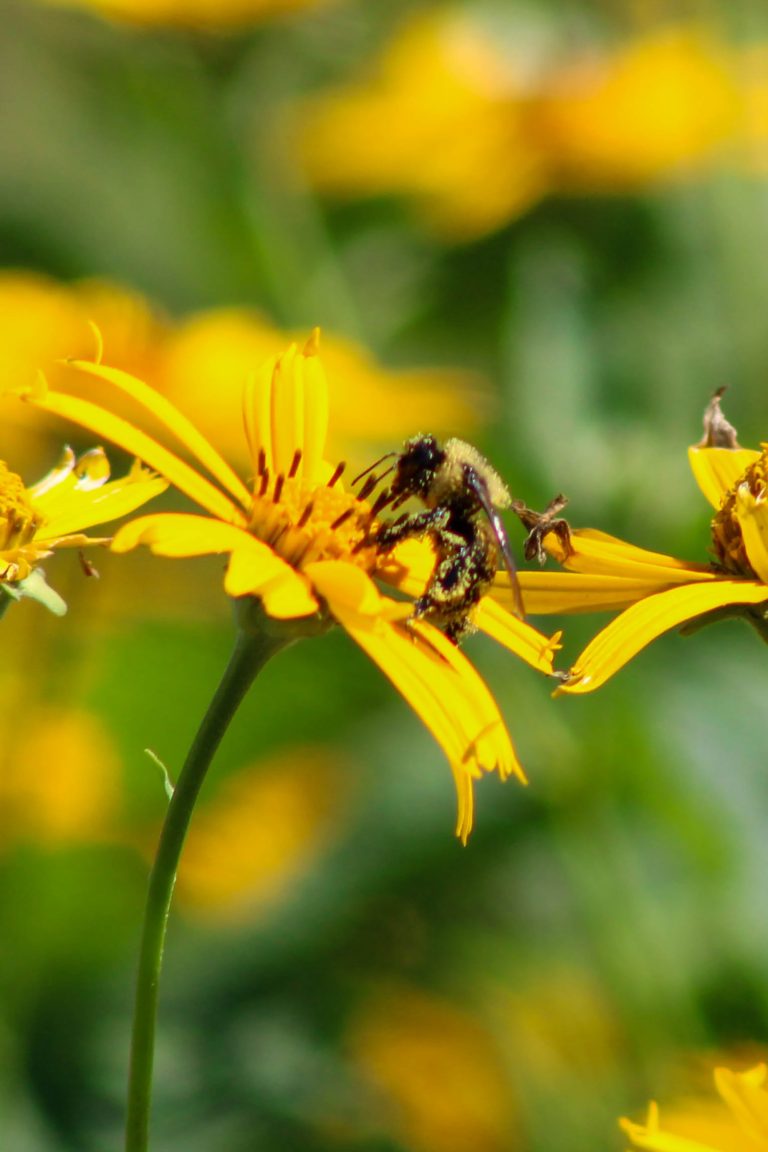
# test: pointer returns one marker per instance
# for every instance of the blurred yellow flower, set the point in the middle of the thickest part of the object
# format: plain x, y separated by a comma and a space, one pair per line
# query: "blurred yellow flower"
203, 14
655, 109
738, 1122
299, 542
437, 1072
60, 777
477, 132
440, 117
274, 818
662, 592
75, 495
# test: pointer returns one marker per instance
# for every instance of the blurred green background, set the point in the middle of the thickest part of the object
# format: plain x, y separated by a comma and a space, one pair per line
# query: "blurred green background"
341, 973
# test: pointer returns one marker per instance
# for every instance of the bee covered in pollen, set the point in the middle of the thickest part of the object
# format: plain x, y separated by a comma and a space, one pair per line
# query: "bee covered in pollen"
461, 493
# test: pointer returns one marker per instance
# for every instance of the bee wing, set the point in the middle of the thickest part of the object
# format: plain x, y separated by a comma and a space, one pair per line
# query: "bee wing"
480, 489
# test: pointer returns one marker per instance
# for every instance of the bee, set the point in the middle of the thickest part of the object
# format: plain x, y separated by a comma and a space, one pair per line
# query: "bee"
460, 492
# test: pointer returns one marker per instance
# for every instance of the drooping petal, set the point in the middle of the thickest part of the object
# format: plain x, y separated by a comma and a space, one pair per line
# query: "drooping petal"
139, 444
443, 689
717, 470
177, 424
635, 628
516, 635
752, 513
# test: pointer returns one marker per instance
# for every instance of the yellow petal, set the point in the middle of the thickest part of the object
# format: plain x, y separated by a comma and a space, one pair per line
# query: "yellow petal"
176, 423
433, 676
596, 552
752, 513
110, 502
651, 1137
315, 411
746, 1096
345, 585
137, 443
630, 632
546, 593
182, 534
516, 635
255, 570
718, 470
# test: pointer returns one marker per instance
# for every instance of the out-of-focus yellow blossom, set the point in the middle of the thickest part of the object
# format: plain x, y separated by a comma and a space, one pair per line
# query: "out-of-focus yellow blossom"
738, 1122
75, 495
660, 592
477, 133
439, 117
59, 778
301, 544
437, 1072
656, 109
213, 354
274, 818
211, 15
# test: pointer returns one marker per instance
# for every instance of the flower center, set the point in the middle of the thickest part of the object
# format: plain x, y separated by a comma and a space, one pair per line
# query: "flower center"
19, 521
304, 523
727, 535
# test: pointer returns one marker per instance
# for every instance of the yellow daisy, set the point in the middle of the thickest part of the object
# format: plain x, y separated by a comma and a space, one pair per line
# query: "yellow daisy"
75, 495
736, 1123
660, 592
299, 542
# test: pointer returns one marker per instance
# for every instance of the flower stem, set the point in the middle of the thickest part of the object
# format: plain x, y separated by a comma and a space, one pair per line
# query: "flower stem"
251, 652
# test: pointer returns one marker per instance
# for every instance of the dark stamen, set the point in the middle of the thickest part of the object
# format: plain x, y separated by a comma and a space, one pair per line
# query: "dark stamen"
294, 464
337, 473
368, 487
342, 519
261, 465
278, 489
308, 510
264, 482
380, 502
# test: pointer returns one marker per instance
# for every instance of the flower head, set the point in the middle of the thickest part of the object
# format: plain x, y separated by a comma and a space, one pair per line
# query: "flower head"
301, 543
659, 592
739, 1120
51, 514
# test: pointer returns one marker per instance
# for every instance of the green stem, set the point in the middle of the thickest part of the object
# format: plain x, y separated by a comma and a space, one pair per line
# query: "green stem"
250, 653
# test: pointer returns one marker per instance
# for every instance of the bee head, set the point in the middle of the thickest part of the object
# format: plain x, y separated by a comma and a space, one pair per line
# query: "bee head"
416, 466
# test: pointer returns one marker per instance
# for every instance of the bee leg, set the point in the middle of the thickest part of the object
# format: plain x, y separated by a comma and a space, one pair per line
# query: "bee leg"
416, 525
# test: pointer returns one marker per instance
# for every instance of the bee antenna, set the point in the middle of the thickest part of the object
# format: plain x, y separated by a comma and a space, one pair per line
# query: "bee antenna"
370, 468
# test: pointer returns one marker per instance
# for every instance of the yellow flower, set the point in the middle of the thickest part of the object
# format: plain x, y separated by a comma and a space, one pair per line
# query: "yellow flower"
204, 14
736, 1123
275, 817
75, 495
297, 541
440, 118
660, 592
437, 1076
477, 132
659, 107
